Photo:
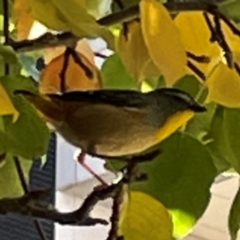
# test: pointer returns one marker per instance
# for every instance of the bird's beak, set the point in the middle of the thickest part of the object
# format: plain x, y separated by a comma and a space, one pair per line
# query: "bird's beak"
198, 108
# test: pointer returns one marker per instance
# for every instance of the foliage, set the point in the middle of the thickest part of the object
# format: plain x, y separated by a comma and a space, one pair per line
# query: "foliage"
195, 51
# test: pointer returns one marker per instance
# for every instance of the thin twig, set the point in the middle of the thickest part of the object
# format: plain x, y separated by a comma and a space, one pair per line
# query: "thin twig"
218, 36
198, 72
6, 30
62, 74
237, 68
77, 58
130, 174
100, 55
24, 185
125, 15
214, 36
114, 219
200, 59
30, 205
225, 19
222, 42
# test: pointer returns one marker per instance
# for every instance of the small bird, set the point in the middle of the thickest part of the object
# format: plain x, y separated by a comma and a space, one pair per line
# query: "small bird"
115, 123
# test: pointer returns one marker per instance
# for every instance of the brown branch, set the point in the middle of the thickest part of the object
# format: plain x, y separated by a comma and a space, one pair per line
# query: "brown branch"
237, 68
222, 42
125, 15
6, 31
24, 185
30, 205
200, 59
62, 74
225, 19
198, 72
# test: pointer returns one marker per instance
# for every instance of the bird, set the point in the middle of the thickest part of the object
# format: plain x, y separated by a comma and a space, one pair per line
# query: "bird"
114, 122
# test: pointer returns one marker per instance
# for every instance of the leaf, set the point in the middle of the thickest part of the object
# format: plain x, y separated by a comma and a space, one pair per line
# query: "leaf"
28, 136
24, 19
230, 9
45, 12
190, 84
71, 16
84, 76
224, 86
163, 40
234, 217
99, 8
115, 74
200, 126
82, 47
180, 178
196, 36
231, 128
6, 105
145, 218
9, 175
133, 51
8, 54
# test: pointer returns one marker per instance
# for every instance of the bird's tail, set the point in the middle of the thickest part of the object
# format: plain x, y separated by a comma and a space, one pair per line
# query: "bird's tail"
49, 109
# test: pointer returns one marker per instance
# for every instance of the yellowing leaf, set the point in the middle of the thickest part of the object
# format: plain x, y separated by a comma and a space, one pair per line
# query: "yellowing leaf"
134, 52
24, 19
224, 86
6, 106
195, 36
68, 16
77, 77
163, 40
145, 218
82, 47
45, 12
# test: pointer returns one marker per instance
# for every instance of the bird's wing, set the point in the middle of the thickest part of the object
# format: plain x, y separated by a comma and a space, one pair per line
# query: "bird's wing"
120, 98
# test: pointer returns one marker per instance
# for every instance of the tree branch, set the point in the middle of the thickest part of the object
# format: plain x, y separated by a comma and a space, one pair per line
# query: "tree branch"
30, 205
125, 15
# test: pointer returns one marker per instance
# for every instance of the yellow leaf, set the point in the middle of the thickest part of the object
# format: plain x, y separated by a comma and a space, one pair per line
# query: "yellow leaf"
76, 76
224, 86
24, 19
45, 12
145, 218
68, 16
163, 40
134, 52
82, 47
195, 36
6, 106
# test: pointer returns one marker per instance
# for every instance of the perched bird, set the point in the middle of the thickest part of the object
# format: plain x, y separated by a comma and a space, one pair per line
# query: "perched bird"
115, 123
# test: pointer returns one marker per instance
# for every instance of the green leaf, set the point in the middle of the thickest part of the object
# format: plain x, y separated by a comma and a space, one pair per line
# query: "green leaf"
99, 8
29, 135
234, 217
188, 83
128, 3
199, 126
115, 74
180, 178
231, 128
9, 179
145, 218
231, 9
223, 137
80, 22
7, 54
